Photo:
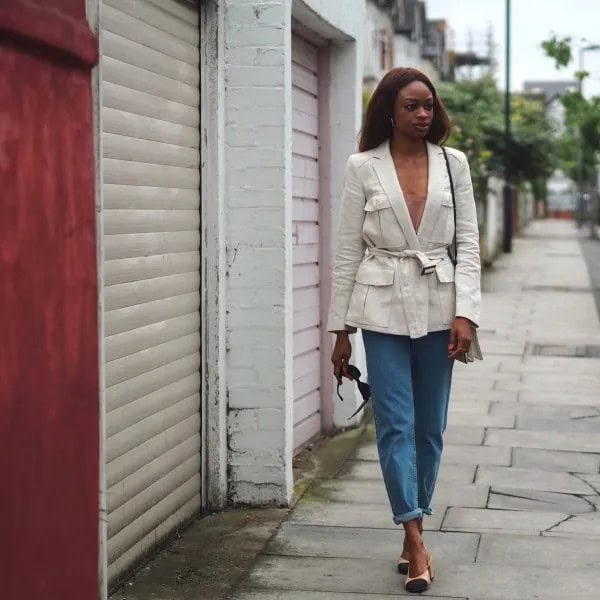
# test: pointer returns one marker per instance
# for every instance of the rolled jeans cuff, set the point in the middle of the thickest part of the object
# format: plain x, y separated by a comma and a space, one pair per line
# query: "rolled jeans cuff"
428, 511
409, 516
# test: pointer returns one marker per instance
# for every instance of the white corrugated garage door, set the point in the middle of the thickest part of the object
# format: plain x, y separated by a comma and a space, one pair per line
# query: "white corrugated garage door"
150, 147
307, 332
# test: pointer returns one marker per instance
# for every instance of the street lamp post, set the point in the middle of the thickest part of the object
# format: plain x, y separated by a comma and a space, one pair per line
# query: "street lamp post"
507, 193
580, 204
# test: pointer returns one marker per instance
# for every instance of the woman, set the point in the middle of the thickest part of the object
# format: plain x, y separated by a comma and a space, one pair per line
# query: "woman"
394, 277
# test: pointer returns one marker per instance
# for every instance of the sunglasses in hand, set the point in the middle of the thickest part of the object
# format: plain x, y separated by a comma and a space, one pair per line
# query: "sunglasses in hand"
364, 388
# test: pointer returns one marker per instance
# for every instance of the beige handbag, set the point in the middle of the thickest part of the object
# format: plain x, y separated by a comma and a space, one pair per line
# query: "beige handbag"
474, 352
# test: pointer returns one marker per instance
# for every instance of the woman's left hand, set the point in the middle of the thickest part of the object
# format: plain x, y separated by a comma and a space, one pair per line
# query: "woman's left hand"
460, 337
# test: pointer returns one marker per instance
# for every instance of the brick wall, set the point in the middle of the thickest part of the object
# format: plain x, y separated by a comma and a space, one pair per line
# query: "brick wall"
257, 192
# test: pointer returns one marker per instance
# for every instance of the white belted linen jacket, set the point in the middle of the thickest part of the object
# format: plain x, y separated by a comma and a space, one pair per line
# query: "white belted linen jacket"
387, 277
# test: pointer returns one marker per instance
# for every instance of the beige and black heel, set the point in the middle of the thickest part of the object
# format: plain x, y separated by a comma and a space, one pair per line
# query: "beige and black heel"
403, 566
422, 582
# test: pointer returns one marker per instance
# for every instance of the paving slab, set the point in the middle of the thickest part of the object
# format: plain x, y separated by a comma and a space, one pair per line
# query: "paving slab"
555, 460
362, 492
470, 375
500, 521
566, 380
502, 347
550, 364
360, 470
531, 479
499, 420
578, 526
480, 455
350, 542
373, 492
366, 452
544, 411
476, 406
595, 500
585, 388
460, 454
527, 550
506, 498
545, 440
464, 393
477, 386
369, 576
353, 514
586, 424
592, 479
566, 397
459, 434
456, 494
305, 595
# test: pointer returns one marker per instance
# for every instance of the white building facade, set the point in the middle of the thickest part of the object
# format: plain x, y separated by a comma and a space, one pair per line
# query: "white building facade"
223, 130
397, 33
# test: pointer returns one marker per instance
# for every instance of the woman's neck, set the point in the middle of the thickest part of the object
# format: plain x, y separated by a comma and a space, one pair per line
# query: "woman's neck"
405, 146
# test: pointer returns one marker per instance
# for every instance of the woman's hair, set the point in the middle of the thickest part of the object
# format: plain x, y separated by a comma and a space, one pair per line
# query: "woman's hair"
378, 121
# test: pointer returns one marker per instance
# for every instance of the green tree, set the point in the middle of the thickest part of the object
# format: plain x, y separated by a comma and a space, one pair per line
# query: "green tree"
582, 130
476, 108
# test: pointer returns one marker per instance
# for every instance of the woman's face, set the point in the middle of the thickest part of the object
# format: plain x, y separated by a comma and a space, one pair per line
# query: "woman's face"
413, 110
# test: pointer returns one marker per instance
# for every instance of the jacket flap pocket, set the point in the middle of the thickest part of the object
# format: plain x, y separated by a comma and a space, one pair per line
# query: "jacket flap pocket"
447, 198
445, 271
377, 202
371, 274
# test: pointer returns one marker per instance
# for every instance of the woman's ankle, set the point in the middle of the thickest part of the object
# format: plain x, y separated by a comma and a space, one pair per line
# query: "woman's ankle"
412, 535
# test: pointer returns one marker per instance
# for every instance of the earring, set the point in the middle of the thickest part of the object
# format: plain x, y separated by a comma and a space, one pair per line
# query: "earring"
392, 121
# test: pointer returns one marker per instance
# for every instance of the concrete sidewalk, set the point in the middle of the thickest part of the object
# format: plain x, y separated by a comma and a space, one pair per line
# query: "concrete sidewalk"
516, 505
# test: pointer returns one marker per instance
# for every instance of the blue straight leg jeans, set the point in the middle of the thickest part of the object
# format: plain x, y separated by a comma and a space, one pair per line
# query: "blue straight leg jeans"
410, 383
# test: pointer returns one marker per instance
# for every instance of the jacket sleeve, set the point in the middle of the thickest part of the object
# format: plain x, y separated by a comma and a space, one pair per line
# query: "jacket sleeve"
350, 249
468, 267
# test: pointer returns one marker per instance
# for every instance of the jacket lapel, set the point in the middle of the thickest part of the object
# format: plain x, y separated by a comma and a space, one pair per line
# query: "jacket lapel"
436, 186
386, 172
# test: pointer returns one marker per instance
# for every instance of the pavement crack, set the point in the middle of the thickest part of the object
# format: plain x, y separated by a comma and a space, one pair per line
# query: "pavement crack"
585, 499
558, 524
478, 547
507, 495
587, 416
583, 480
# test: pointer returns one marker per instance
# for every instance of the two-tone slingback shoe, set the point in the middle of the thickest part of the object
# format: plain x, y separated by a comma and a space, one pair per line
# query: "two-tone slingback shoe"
421, 582
403, 566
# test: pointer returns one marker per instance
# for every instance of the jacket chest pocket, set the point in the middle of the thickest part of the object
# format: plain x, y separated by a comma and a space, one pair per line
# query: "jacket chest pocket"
379, 218
371, 301
443, 232
445, 274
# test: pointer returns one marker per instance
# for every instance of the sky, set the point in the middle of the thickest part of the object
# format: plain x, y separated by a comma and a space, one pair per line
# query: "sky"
532, 21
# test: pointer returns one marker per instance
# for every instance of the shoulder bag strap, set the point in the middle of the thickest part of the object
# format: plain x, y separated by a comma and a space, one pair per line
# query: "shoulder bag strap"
452, 254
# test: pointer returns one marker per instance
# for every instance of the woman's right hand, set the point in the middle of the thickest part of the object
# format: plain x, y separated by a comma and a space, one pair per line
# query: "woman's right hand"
340, 357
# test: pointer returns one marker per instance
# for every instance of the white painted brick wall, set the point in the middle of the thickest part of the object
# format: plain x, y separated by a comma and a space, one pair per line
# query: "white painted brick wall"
257, 183
257, 42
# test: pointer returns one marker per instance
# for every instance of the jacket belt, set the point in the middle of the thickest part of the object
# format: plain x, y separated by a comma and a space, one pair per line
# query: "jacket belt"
427, 260
414, 289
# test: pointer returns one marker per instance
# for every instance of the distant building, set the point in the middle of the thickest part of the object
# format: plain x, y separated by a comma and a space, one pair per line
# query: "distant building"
550, 93
378, 48
398, 34
562, 196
